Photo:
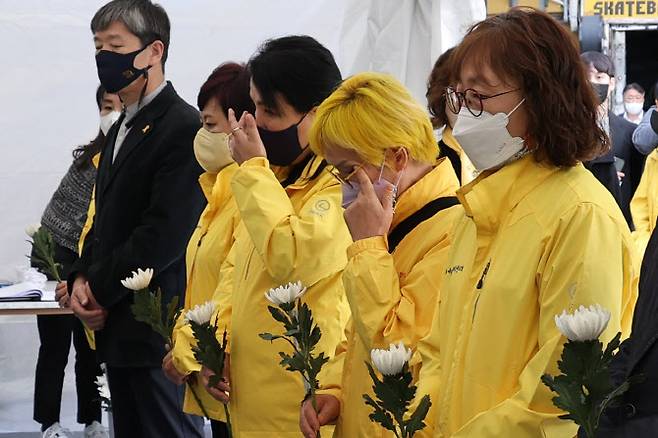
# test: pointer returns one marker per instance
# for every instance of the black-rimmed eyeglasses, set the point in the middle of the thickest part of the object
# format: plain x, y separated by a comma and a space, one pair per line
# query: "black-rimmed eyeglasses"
469, 97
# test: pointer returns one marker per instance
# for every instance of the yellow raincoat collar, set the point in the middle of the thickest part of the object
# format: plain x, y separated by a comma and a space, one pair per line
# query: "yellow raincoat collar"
438, 182
207, 182
215, 187
491, 195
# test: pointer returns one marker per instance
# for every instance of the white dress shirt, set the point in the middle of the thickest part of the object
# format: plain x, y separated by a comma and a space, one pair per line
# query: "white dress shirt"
131, 111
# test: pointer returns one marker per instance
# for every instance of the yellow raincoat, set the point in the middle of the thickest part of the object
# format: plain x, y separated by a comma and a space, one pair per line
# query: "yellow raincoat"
91, 212
468, 172
392, 297
534, 240
644, 206
206, 251
286, 235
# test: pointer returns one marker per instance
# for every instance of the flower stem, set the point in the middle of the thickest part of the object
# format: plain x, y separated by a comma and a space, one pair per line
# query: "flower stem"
228, 421
590, 430
53, 271
198, 401
314, 403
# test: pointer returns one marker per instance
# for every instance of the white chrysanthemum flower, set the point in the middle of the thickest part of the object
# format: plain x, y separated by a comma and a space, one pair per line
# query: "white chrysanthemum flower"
585, 324
31, 230
390, 362
201, 313
139, 280
286, 294
103, 387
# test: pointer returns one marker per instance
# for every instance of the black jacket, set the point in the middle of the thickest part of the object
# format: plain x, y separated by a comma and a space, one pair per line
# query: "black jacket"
637, 415
621, 131
147, 204
603, 168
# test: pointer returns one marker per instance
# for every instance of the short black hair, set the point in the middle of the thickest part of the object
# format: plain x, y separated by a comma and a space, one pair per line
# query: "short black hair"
602, 63
146, 20
298, 67
634, 86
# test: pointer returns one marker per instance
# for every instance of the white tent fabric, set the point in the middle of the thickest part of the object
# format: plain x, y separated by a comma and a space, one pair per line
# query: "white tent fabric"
48, 80
404, 37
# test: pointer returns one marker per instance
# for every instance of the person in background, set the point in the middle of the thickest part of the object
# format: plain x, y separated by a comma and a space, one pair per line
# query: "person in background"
381, 147
147, 204
620, 169
291, 229
633, 103
443, 120
538, 235
644, 206
63, 218
227, 87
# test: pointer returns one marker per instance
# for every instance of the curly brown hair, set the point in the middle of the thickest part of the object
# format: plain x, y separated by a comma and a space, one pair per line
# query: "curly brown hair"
529, 48
440, 78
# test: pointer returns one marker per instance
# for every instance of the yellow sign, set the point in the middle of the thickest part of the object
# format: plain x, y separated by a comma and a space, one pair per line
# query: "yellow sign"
622, 9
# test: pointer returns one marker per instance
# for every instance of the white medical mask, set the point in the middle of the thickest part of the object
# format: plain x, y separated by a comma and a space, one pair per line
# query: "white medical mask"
351, 190
108, 120
486, 140
633, 108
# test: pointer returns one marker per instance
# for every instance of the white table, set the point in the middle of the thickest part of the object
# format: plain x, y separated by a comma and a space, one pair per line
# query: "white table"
47, 305
32, 308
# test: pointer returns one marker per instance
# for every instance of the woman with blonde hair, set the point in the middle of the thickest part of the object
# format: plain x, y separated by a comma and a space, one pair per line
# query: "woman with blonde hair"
397, 198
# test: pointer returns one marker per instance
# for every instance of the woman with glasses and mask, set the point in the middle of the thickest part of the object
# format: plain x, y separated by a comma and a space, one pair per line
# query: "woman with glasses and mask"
399, 206
291, 230
539, 234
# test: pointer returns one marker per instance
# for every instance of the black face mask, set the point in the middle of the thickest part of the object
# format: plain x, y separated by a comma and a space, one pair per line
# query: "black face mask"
601, 91
283, 146
117, 70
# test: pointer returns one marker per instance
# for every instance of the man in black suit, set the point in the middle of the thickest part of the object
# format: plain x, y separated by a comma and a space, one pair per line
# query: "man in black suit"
621, 168
147, 204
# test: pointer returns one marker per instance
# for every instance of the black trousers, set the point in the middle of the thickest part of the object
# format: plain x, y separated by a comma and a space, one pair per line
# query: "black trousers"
219, 429
55, 332
147, 405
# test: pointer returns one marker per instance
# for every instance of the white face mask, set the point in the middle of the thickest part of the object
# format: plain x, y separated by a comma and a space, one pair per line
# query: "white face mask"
108, 120
633, 108
486, 140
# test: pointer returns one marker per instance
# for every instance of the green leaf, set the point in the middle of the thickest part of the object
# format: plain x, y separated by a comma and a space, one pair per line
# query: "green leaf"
293, 362
394, 393
278, 315
416, 421
379, 415
147, 308
571, 399
208, 351
43, 254
270, 337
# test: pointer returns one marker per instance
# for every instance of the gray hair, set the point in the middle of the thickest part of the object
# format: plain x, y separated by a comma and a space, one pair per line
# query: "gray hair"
147, 21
